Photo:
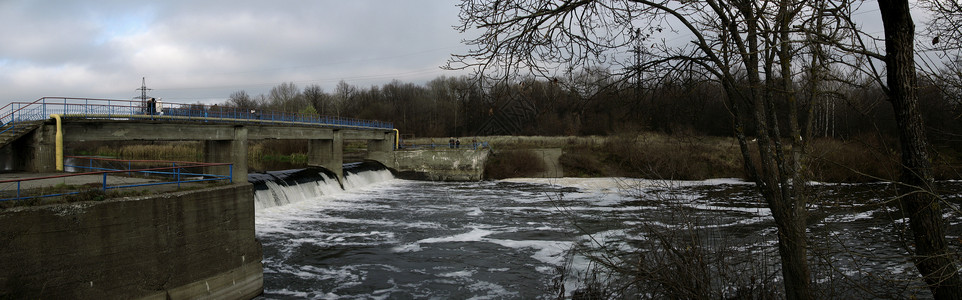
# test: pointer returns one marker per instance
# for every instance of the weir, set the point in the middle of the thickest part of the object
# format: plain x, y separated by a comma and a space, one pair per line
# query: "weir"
279, 188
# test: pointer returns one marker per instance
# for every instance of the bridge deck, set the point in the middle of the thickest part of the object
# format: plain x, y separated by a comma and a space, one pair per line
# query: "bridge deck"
85, 108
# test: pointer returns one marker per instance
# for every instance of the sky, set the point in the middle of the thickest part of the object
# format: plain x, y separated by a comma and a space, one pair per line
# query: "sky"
202, 51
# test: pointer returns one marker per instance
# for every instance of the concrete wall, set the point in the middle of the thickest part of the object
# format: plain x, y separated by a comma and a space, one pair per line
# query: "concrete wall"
448, 165
183, 245
35, 151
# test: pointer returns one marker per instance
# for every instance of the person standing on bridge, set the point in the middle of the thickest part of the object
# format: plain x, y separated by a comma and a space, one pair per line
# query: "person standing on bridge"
457, 143
151, 106
451, 143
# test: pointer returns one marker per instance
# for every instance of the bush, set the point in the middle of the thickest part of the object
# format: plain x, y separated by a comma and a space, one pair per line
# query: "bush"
837, 161
654, 156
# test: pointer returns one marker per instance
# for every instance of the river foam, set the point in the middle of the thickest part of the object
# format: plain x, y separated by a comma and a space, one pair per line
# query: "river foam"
394, 238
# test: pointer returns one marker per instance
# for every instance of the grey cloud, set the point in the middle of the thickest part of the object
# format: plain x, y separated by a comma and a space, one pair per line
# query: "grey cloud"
207, 49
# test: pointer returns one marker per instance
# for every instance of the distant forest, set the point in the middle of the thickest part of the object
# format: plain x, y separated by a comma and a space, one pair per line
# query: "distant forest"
592, 105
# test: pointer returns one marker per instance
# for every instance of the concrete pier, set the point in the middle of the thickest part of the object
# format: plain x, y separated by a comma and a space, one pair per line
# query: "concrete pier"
233, 150
327, 153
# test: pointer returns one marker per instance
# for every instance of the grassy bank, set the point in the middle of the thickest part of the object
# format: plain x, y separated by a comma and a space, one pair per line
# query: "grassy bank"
647, 155
660, 156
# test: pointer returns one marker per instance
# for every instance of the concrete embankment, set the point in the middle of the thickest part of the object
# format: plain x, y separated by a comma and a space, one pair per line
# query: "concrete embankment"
465, 165
441, 164
181, 245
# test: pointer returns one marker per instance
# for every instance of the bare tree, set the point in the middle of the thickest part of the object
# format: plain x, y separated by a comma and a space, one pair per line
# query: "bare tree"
343, 93
241, 100
919, 199
286, 97
315, 96
750, 48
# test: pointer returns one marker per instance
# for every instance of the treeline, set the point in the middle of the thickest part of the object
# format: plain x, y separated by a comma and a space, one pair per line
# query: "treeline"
463, 106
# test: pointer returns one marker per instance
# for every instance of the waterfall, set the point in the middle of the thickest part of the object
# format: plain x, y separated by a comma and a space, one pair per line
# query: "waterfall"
277, 188
360, 179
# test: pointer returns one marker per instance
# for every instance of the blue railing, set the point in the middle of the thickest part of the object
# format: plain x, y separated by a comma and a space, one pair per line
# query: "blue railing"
90, 108
160, 172
469, 146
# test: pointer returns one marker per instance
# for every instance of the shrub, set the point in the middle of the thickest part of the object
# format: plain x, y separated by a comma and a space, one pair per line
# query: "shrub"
837, 161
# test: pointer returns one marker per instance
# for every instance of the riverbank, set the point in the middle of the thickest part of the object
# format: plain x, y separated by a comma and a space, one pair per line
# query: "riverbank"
659, 156
644, 155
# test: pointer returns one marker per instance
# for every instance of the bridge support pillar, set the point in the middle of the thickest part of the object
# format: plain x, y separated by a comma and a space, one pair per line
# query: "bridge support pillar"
328, 154
229, 151
382, 150
36, 152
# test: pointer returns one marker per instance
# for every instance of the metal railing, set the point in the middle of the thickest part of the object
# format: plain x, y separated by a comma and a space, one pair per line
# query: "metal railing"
91, 108
470, 146
157, 172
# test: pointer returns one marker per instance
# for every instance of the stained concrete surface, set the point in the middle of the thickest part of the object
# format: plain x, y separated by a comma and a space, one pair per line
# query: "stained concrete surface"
27, 186
68, 180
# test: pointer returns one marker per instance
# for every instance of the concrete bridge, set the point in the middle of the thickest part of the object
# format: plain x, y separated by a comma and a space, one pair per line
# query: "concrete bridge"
37, 131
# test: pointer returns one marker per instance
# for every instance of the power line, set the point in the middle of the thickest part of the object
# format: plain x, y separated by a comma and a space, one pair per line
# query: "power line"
143, 90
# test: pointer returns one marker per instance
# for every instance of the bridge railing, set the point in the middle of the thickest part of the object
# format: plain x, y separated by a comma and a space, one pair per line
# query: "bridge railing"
126, 109
121, 172
468, 146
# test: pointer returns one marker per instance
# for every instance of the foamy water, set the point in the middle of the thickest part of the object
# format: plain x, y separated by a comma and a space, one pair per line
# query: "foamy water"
385, 238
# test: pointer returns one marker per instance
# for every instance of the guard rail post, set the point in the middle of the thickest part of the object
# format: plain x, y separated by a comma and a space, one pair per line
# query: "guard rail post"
177, 174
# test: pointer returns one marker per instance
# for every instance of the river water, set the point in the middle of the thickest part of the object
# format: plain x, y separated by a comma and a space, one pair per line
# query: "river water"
386, 238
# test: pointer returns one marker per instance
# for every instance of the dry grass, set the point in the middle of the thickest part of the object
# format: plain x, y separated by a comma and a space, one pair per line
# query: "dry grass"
514, 163
518, 142
171, 151
645, 155
689, 157
653, 156
854, 161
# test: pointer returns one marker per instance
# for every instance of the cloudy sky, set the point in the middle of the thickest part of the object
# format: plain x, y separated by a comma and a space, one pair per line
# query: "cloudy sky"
193, 51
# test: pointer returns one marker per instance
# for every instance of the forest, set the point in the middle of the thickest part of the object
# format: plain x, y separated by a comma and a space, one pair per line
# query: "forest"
776, 75
596, 103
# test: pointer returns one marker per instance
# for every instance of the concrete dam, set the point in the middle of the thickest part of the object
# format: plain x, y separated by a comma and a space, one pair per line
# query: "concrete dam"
182, 244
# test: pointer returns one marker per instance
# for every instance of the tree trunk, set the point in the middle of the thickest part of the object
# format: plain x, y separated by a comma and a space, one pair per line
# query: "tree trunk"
920, 203
793, 249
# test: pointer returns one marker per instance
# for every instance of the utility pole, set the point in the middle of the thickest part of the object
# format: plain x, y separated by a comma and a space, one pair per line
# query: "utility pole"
143, 92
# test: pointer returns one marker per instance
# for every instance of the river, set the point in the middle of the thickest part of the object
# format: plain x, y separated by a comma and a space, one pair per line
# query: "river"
386, 238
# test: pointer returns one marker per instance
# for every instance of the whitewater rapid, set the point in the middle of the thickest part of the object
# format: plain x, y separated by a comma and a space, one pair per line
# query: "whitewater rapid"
381, 237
